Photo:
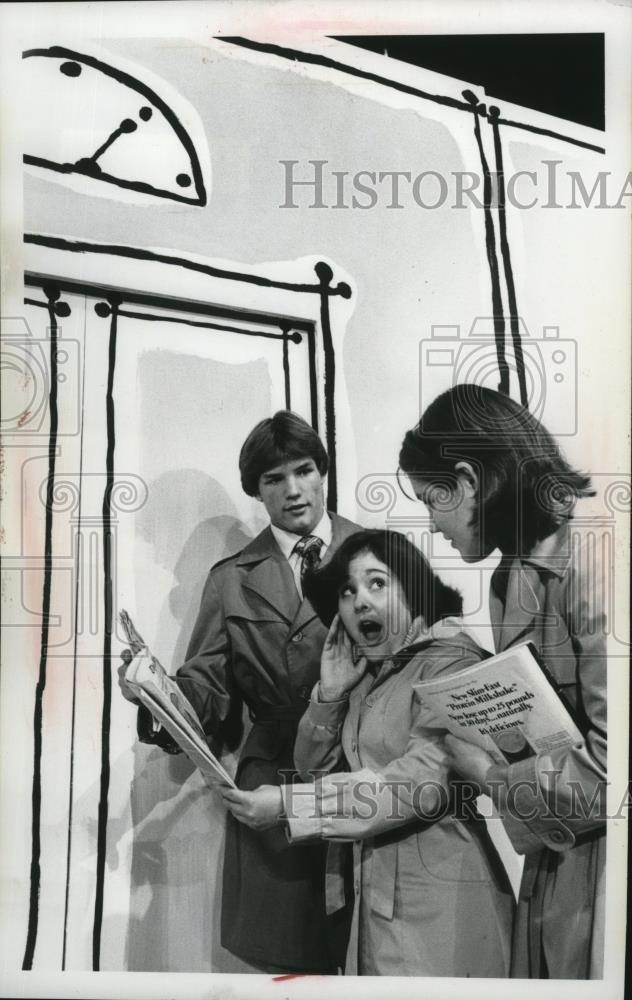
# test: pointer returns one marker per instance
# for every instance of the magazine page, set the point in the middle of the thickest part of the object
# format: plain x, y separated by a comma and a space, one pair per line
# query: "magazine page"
193, 747
147, 673
505, 704
211, 212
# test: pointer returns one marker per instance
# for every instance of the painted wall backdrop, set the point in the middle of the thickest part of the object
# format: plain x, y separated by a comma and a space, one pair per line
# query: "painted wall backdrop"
127, 841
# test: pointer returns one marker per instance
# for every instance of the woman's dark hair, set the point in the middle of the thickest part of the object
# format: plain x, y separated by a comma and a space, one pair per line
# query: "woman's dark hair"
425, 593
285, 437
526, 488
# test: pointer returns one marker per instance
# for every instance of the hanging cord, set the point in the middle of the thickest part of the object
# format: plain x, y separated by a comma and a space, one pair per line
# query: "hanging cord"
493, 114
104, 310
490, 243
55, 309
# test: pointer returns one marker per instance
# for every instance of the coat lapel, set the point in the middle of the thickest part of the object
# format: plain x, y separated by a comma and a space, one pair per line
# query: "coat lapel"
269, 575
527, 587
523, 601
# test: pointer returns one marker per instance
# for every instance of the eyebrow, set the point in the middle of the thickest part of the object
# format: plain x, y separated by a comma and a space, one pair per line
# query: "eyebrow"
373, 569
274, 473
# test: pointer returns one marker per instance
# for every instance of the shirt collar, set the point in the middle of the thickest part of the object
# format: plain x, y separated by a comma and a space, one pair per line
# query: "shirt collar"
286, 540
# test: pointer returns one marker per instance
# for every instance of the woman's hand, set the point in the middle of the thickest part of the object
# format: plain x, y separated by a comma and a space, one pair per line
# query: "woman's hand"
260, 809
470, 761
338, 671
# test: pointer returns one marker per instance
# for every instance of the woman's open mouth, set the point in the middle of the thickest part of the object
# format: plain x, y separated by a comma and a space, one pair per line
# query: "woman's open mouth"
371, 631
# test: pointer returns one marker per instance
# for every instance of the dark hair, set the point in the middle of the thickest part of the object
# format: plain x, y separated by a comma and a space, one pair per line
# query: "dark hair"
527, 489
282, 438
425, 593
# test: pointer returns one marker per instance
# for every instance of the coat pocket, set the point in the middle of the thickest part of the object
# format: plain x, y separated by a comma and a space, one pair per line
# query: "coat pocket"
449, 852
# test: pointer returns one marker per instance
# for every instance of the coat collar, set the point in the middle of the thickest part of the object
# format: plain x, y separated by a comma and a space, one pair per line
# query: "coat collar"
419, 637
527, 586
269, 575
271, 578
263, 546
552, 554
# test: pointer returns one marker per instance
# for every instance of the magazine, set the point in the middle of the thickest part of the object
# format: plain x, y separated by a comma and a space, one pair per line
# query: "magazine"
160, 694
507, 704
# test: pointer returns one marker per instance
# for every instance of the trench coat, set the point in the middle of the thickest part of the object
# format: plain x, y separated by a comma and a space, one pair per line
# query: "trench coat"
554, 599
256, 643
431, 897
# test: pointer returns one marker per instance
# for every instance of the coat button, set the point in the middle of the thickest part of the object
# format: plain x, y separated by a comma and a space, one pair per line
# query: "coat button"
557, 837
304, 692
357, 887
298, 637
354, 746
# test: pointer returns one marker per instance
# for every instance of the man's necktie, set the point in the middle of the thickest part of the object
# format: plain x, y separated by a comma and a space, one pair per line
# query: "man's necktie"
309, 549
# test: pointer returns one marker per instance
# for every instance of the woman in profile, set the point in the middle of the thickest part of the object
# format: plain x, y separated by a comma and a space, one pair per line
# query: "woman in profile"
492, 477
431, 896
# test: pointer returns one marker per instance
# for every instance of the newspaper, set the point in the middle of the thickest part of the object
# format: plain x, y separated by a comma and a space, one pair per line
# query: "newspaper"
168, 705
507, 704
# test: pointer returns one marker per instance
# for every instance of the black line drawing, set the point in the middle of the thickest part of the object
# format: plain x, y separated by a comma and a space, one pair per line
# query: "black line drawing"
71, 66
108, 608
295, 55
73, 715
490, 246
52, 294
569, 84
506, 258
110, 302
136, 253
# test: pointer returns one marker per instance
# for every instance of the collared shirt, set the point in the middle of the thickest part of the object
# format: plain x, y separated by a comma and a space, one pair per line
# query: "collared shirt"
287, 540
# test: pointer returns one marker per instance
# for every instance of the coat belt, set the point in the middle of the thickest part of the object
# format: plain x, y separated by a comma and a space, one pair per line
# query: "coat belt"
277, 713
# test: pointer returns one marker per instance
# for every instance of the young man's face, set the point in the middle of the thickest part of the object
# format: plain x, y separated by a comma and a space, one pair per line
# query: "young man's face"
293, 495
453, 513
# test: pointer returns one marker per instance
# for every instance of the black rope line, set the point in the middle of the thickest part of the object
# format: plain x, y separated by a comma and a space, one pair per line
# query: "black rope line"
136, 253
108, 610
506, 257
129, 314
492, 260
73, 714
325, 275
286, 369
52, 293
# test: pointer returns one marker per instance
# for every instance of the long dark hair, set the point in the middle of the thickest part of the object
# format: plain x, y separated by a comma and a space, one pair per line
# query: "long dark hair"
425, 593
527, 489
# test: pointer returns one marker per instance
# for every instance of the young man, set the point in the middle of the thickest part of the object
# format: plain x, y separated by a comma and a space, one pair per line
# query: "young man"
256, 641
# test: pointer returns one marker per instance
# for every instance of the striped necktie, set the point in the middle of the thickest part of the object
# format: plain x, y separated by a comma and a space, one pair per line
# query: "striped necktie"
309, 549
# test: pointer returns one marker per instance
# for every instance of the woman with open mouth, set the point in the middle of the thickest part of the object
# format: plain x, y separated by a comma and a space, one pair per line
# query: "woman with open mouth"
431, 895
